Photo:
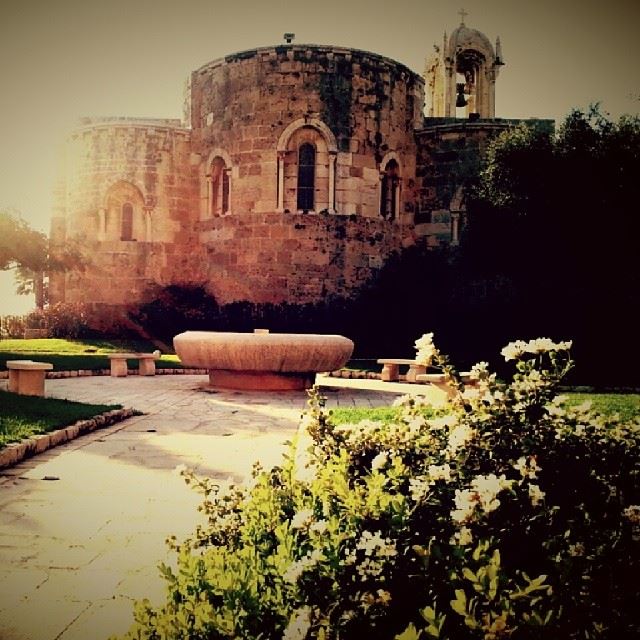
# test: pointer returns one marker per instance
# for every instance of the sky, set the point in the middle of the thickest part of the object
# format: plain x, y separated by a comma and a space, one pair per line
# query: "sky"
64, 59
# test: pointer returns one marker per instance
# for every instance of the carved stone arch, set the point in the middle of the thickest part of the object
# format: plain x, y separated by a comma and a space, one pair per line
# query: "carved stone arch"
314, 123
218, 180
390, 185
124, 215
316, 133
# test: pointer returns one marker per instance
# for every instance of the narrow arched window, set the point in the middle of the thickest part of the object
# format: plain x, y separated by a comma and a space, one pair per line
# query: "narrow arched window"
225, 190
219, 197
389, 191
306, 176
126, 227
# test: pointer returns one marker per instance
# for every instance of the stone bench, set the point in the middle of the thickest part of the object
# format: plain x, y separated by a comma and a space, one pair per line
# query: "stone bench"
26, 377
439, 380
391, 369
146, 363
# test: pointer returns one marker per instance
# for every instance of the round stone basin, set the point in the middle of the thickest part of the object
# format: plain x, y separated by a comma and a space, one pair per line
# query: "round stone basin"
264, 361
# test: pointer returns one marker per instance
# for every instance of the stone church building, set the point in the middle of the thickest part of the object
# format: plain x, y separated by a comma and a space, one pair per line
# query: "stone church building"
296, 172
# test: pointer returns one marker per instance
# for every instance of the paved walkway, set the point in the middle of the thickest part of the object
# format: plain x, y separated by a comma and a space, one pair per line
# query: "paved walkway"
82, 526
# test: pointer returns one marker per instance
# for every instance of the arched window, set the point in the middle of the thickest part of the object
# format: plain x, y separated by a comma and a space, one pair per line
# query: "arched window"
126, 224
219, 197
389, 191
124, 215
306, 176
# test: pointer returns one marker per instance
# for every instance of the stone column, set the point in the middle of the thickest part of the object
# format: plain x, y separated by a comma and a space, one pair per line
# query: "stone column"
209, 211
228, 172
455, 227
333, 157
281, 157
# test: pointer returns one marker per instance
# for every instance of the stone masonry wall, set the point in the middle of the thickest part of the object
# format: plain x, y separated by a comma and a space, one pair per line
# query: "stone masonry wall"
104, 165
274, 257
243, 103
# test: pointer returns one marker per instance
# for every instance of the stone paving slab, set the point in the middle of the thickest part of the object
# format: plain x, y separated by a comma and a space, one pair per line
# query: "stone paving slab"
82, 526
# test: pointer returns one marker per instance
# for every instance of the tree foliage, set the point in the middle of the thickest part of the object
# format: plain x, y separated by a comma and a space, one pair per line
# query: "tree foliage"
554, 219
28, 251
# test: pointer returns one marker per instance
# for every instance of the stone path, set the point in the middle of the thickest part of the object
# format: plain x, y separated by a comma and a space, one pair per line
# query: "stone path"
83, 525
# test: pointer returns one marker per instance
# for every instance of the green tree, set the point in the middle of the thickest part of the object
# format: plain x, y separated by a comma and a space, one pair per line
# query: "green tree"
28, 252
555, 219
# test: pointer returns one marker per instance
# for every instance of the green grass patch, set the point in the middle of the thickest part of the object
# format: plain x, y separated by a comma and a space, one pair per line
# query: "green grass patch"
71, 355
386, 414
24, 416
627, 405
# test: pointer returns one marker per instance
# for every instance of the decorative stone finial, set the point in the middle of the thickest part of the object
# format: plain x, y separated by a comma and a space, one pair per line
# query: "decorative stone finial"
463, 14
499, 60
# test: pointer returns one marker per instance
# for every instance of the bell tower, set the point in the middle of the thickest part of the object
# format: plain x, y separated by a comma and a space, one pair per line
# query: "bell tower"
460, 75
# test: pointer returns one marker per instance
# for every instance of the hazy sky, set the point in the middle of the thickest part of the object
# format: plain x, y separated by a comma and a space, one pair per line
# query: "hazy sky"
62, 59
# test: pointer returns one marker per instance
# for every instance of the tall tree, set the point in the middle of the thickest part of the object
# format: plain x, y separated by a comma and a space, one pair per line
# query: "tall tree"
556, 218
27, 251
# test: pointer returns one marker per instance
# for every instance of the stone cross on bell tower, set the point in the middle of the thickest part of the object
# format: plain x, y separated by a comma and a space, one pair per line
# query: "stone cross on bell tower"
463, 14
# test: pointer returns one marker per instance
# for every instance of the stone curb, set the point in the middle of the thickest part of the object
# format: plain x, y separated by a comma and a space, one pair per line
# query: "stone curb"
16, 452
356, 374
81, 373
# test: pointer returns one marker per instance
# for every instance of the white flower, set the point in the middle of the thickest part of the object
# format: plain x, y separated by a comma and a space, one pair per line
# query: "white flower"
479, 370
536, 494
402, 401
513, 350
298, 625
459, 436
442, 422
425, 349
632, 513
482, 493
465, 501
301, 518
297, 568
376, 550
462, 537
379, 461
539, 345
419, 488
319, 527
528, 467
488, 487
439, 472
180, 469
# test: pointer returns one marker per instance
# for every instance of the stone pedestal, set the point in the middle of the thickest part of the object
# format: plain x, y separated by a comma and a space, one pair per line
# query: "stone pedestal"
262, 361
260, 380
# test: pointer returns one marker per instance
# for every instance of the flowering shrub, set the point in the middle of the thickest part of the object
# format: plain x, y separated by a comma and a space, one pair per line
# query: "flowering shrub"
503, 515
63, 320
12, 326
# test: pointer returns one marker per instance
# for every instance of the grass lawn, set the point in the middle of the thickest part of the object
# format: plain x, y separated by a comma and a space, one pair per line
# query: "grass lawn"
24, 416
625, 404
69, 355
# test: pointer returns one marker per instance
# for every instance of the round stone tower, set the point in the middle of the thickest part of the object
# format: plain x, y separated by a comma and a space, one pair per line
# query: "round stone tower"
293, 182
304, 129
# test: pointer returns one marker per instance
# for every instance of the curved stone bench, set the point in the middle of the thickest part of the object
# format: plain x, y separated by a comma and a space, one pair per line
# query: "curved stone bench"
26, 377
261, 360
